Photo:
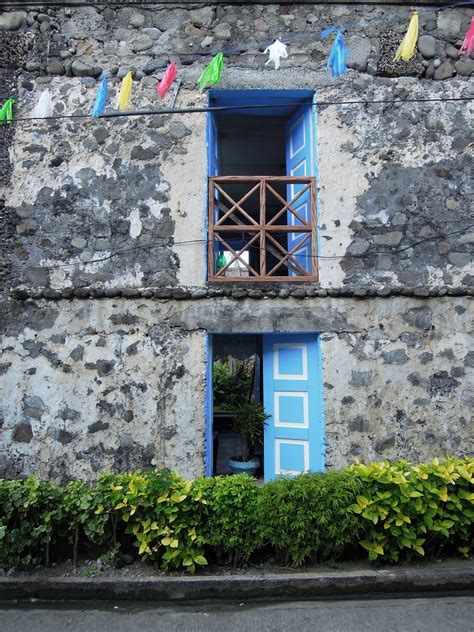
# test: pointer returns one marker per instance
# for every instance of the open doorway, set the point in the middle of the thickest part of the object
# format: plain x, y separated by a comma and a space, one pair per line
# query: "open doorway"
236, 392
277, 379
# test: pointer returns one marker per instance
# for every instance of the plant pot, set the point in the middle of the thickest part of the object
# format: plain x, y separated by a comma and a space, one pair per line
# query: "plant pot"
244, 467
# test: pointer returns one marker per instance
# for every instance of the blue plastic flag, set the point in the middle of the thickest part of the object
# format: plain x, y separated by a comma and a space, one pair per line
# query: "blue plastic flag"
100, 99
339, 52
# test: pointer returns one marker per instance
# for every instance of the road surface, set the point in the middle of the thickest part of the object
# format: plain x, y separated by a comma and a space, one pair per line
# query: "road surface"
436, 614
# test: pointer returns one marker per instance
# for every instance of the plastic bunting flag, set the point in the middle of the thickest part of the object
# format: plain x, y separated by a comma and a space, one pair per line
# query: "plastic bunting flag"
339, 52
468, 44
6, 111
406, 50
125, 93
167, 80
44, 106
212, 74
100, 99
276, 51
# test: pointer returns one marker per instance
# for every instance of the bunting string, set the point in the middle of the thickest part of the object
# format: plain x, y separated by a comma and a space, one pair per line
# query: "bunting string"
172, 111
211, 75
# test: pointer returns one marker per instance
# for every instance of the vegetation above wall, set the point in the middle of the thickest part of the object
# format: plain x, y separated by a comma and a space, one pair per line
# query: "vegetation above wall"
395, 511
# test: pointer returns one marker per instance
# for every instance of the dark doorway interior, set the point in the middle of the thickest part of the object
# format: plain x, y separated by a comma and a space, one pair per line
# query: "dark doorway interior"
253, 146
237, 377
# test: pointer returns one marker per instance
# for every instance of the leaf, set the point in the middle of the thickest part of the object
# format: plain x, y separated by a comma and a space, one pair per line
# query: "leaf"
178, 498
200, 559
363, 501
367, 545
143, 548
443, 494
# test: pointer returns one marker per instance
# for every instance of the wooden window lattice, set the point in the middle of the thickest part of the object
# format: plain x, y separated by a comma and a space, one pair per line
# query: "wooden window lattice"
261, 233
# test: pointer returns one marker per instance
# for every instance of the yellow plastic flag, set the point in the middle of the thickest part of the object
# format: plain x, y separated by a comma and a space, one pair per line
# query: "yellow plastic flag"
125, 93
406, 50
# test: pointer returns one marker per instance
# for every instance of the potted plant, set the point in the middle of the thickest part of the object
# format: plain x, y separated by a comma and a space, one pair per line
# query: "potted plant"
248, 423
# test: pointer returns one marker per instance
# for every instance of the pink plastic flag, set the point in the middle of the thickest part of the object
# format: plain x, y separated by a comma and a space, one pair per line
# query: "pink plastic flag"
167, 80
468, 44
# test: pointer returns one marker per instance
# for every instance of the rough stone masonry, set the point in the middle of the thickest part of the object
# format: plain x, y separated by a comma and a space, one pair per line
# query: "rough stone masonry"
105, 306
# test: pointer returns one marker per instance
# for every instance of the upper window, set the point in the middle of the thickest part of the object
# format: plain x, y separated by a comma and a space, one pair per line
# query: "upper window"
262, 190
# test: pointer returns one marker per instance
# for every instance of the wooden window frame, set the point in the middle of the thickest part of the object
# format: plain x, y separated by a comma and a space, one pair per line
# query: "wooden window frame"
261, 231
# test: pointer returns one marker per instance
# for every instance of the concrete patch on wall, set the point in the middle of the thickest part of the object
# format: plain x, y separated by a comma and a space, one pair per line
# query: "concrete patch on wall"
338, 192
399, 387
186, 174
131, 394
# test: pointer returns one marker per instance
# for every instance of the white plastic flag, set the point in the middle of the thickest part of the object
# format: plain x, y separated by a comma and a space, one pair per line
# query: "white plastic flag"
44, 106
276, 51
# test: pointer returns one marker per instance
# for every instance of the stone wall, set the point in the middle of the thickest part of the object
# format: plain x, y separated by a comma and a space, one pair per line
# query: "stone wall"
94, 384
106, 307
109, 203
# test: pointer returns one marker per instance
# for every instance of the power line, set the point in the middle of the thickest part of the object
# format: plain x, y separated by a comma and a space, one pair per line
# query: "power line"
240, 107
154, 244
423, 4
288, 38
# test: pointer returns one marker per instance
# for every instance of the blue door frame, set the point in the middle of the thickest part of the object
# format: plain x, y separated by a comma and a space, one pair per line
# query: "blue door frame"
294, 432
277, 103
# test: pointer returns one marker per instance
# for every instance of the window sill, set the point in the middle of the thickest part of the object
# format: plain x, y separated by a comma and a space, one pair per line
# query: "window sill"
272, 279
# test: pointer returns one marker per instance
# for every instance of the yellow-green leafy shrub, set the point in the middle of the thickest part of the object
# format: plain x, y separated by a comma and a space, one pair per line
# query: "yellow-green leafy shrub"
162, 515
28, 520
306, 518
415, 509
232, 529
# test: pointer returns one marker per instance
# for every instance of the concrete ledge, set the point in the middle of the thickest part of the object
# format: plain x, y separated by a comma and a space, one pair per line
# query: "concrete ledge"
365, 583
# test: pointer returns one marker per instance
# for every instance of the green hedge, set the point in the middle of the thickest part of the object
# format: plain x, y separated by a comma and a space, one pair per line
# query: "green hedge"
393, 511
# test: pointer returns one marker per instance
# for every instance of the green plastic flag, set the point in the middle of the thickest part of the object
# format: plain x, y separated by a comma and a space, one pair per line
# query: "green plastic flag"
6, 111
212, 74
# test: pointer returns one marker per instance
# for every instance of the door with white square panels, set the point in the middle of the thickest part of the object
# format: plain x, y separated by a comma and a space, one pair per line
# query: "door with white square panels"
292, 387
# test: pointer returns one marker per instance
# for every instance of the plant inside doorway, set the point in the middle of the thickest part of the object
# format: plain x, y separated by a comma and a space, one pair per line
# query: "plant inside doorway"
249, 424
231, 389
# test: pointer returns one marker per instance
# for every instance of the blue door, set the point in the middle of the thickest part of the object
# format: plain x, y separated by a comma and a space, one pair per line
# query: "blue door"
292, 395
300, 161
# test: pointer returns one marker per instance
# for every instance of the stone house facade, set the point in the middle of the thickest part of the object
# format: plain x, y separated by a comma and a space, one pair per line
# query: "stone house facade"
108, 315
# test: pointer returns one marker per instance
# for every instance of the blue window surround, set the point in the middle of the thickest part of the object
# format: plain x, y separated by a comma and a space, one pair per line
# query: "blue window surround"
293, 100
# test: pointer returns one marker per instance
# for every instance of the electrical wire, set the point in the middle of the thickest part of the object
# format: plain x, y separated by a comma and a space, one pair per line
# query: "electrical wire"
137, 3
255, 45
226, 108
207, 241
